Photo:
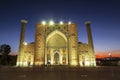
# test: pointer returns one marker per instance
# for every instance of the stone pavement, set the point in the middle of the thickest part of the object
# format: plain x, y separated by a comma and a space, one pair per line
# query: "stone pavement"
60, 73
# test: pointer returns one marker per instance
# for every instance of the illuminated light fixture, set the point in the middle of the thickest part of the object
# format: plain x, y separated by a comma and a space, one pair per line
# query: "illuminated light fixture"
61, 22
43, 22
69, 22
74, 63
25, 43
51, 22
87, 63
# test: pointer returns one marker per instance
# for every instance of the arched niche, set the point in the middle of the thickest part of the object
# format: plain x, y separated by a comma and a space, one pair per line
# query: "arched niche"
56, 39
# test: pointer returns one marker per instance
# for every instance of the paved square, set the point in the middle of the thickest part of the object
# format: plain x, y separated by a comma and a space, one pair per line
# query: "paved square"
59, 73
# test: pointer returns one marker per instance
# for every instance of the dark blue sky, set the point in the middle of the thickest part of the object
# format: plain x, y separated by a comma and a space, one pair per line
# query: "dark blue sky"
103, 14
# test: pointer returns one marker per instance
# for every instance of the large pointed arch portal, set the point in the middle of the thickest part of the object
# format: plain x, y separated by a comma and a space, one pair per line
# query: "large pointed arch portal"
56, 32
56, 42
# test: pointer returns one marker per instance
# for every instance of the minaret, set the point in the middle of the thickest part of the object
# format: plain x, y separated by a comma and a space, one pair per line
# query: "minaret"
22, 37
89, 34
90, 44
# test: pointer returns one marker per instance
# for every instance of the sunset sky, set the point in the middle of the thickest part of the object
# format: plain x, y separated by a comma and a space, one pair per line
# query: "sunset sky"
103, 14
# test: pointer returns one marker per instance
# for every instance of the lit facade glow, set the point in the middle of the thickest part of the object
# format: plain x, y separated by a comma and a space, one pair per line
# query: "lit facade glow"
51, 22
61, 22
25, 43
52, 46
69, 22
43, 22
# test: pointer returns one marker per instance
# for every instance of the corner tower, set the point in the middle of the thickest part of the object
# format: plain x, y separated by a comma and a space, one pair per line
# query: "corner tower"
39, 58
90, 45
73, 44
20, 58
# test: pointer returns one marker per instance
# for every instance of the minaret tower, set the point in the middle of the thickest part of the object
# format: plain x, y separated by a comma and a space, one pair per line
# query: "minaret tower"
90, 44
22, 37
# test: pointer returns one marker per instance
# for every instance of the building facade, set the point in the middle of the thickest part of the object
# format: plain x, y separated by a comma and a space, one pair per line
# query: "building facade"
56, 44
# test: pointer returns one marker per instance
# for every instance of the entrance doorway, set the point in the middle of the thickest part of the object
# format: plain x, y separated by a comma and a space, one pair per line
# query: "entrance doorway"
56, 58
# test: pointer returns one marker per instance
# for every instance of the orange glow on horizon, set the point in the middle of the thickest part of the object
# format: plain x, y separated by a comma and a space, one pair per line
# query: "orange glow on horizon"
105, 54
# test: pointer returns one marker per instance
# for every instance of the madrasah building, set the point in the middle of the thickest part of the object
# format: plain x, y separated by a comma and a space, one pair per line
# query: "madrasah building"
56, 44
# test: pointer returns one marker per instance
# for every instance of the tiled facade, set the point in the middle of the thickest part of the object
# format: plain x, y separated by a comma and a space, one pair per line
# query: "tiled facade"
56, 44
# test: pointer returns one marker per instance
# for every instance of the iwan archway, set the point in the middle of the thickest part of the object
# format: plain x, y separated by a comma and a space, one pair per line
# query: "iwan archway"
56, 49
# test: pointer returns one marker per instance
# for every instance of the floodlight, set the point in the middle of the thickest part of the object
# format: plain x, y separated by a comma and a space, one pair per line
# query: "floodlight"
51, 22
